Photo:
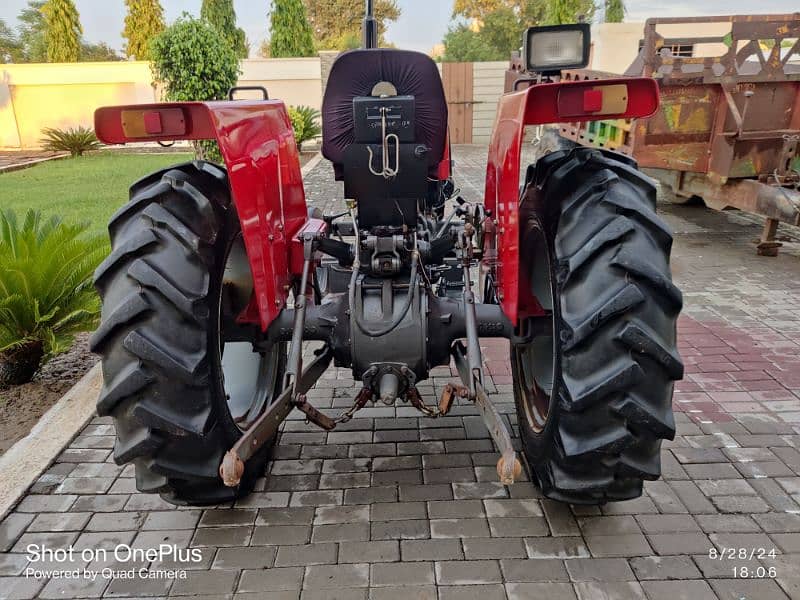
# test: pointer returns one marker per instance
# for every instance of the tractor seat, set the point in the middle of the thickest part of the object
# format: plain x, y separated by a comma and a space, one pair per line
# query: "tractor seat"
355, 74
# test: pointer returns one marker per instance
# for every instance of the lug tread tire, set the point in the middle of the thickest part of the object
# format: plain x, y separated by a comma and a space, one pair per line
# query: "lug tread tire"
616, 314
155, 336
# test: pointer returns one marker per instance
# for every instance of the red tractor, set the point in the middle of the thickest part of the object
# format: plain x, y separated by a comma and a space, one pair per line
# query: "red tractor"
219, 274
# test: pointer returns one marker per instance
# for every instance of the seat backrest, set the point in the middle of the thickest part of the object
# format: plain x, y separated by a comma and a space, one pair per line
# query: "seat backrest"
355, 73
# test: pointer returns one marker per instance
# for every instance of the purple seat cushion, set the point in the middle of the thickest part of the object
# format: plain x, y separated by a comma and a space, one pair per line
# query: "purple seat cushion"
355, 73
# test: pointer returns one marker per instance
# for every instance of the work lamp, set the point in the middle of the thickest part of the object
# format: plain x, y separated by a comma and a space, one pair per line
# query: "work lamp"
553, 48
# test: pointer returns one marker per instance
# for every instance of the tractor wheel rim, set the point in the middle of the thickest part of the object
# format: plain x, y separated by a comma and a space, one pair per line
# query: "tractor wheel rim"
249, 377
537, 359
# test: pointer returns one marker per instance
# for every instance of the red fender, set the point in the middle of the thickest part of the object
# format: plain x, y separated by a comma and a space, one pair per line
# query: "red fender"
263, 162
575, 101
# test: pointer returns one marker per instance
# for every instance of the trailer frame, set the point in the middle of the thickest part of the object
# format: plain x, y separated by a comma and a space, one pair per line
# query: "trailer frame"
729, 126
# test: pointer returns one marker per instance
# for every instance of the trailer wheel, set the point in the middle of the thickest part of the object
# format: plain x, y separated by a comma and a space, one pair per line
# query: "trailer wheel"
593, 386
182, 379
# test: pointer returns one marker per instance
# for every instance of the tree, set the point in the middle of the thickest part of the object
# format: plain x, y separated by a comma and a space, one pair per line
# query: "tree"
532, 13
290, 31
502, 30
220, 14
31, 33
144, 21
496, 30
30, 43
561, 12
10, 47
336, 23
100, 52
528, 10
462, 44
62, 31
615, 11
479, 9
193, 61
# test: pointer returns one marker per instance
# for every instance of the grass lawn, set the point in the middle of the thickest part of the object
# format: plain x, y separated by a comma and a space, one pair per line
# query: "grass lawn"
89, 188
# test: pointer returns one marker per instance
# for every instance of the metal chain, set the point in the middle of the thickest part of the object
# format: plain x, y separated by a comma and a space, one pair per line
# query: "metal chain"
360, 402
449, 394
417, 402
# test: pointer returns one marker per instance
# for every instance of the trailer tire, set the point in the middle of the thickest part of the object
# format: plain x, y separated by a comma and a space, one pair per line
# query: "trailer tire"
594, 398
162, 335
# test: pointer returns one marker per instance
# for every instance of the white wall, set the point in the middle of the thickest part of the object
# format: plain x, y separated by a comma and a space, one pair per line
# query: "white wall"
488, 83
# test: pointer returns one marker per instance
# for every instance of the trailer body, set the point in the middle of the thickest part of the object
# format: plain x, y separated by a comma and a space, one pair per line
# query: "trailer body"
729, 125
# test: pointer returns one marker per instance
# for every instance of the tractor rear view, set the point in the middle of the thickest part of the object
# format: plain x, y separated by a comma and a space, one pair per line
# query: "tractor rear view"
220, 273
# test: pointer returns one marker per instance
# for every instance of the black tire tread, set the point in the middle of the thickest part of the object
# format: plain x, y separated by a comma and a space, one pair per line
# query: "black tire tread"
617, 310
154, 338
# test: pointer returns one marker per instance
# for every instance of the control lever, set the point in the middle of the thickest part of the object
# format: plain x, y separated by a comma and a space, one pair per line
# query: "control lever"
387, 171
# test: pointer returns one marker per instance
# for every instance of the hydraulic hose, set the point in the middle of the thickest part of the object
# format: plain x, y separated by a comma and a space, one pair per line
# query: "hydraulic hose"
351, 297
412, 284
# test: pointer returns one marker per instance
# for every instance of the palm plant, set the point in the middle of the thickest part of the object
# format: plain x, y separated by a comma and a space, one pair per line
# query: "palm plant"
76, 140
46, 293
305, 123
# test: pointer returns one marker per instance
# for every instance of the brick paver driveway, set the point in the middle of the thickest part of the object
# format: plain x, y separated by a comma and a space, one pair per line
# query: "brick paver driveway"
395, 506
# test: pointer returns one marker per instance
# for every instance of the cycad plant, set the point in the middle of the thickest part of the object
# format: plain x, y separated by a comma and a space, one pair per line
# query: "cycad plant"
305, 123
46, 293
75, 140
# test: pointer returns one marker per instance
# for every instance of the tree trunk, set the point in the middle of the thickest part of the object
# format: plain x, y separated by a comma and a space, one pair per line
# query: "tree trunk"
18, 366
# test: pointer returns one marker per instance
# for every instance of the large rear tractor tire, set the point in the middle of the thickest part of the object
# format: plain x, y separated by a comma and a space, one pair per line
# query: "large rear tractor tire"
593, 390
180, 383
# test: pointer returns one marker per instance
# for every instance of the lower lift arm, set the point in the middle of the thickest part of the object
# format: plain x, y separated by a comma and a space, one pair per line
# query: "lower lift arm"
469, 363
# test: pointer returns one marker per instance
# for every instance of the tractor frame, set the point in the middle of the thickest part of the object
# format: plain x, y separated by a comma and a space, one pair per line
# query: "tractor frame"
377, 314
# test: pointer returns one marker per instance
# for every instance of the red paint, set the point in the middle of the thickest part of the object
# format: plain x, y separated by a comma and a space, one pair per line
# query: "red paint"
152, 122
259, 149
317, 227
592, 100
444, 170
536, 105
193, 117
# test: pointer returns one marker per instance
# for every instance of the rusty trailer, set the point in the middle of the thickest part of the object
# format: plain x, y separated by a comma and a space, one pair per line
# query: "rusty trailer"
728, 130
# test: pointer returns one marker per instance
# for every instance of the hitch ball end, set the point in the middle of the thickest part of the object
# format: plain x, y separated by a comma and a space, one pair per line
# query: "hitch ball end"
231, 469
389, 387
509, 468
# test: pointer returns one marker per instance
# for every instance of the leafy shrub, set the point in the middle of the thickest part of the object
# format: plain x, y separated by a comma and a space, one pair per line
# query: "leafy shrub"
75, 140
46, 293
305, 123
194, 61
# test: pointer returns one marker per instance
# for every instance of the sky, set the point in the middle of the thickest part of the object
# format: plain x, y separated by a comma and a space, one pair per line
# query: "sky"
421, 26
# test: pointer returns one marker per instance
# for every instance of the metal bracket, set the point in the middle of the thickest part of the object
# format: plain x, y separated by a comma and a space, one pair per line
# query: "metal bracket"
469, 363
508, 467
315, 370
232, 467
296, 382
313, 415
294, 365
449, 394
